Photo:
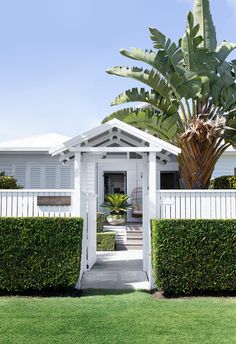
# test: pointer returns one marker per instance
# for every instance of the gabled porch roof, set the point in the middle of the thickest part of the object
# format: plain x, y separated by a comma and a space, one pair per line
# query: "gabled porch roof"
115, 136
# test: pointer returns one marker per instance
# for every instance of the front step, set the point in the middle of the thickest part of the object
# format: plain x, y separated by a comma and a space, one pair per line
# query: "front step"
116, 270
127, 247
114, 280
128, 237
134, 237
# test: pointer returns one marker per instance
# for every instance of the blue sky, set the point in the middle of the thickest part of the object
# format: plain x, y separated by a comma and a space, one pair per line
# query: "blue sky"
54, 54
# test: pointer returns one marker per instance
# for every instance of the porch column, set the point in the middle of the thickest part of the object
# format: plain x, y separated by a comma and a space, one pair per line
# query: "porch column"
152, 184
152, 209
145, 207
77, 184
158, 194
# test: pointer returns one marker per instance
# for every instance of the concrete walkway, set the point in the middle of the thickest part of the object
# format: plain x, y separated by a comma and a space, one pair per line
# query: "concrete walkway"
116, 270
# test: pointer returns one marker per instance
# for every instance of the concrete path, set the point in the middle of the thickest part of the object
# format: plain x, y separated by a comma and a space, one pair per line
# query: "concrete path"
116, 270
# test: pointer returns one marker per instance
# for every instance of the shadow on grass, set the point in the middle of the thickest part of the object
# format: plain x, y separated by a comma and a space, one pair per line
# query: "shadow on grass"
196, 294
69, 292
49, 292
104, 292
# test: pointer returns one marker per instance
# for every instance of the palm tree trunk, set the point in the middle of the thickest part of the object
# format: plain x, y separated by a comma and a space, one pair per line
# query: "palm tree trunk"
201, 147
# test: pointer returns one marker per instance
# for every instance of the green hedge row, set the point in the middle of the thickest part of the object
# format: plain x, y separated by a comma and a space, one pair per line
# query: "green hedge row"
106, 241
100, 222
224, 182
39, 253
194, 256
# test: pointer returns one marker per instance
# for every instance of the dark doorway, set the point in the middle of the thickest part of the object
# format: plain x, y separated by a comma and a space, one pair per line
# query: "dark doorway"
115, 182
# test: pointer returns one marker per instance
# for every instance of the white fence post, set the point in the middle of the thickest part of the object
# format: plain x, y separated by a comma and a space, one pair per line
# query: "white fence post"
92, 229
152, 199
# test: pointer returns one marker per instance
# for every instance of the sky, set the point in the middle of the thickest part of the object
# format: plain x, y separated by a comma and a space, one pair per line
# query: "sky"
54, 54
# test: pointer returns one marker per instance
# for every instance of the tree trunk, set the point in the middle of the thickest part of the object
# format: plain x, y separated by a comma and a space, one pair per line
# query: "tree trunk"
201, 147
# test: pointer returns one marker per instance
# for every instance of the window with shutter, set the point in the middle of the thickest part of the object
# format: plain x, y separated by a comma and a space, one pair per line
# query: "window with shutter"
50, 177
7, 167
20, 174
65, 176
35, 177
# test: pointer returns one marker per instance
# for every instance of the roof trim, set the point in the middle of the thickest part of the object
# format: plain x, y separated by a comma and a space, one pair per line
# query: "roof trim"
153, 141
24, 149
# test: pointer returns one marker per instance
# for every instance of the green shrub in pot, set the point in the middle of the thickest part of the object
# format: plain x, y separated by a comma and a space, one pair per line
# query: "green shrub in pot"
117, 205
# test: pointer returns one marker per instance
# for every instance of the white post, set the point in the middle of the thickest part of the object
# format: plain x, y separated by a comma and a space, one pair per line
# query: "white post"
145, 214
158, 188
152, 208
152, 184
77, 211
77, 185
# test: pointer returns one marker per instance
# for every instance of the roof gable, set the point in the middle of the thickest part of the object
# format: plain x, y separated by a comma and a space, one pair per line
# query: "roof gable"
140, 137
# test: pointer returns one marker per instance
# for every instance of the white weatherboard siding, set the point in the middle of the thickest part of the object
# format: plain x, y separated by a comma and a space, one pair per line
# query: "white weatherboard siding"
226, 165
38, 171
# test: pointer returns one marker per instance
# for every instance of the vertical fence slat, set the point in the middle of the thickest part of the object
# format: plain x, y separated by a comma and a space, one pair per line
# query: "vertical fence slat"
233, 205
4, 205
192, 204
19, 203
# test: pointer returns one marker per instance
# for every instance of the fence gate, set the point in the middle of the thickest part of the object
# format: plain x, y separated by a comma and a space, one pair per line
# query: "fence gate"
89, 214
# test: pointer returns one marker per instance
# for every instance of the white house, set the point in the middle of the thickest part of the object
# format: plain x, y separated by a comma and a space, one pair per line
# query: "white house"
31, 162
113, 157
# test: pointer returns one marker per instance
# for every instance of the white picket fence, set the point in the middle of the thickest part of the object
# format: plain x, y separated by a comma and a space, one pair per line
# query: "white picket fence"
196, 204
23, 203
171, 204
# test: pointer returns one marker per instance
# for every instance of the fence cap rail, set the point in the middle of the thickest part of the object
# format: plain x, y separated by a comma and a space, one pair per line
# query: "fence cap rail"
197, 191
36, 190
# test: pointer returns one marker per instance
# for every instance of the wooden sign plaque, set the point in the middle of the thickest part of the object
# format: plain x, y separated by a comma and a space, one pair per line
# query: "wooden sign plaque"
53, 200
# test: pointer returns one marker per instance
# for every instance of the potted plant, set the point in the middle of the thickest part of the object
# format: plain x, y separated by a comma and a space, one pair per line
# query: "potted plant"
118, 205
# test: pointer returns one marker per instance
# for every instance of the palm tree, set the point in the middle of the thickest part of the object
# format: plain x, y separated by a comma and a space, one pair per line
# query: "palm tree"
191, 95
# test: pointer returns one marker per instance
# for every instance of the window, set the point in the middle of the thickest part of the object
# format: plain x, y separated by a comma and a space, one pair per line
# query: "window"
170, 180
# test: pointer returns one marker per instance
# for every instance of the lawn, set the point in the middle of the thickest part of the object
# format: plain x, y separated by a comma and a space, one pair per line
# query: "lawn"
117, 318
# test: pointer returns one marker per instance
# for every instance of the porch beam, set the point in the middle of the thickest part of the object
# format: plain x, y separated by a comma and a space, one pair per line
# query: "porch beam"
77, 186
98, 141
116, 149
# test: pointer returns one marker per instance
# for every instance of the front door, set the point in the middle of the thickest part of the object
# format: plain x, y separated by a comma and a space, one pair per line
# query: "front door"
115, 182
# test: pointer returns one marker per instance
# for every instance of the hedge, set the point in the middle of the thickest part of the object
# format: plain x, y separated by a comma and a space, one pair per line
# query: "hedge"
8, 182
100, 222
39, 253
224, 182
194, 256
106, 241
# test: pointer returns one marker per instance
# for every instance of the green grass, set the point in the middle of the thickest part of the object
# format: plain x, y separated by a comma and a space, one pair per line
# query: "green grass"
120, 318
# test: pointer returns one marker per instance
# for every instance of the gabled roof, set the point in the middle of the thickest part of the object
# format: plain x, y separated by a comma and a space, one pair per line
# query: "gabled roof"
108, 126
34, 143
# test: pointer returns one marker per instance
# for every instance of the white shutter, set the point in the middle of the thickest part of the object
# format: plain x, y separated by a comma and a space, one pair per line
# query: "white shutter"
65, 176
35, 177
50, 177
20, 174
